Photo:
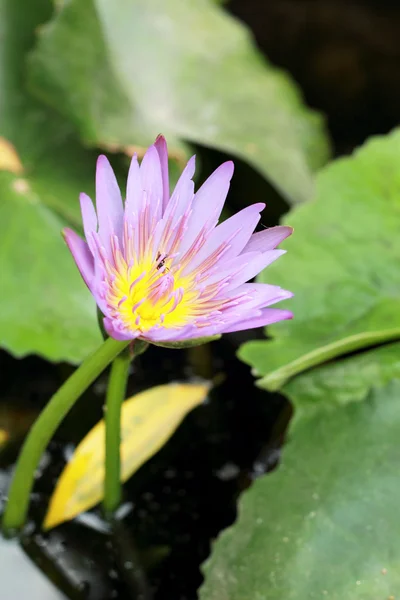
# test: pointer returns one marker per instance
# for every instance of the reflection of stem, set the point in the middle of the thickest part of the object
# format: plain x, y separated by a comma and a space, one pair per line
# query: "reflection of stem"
200, 359
115, 396
128, 560
45, 426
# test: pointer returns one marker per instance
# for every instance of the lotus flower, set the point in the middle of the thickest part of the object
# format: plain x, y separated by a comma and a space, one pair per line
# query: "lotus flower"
161, 268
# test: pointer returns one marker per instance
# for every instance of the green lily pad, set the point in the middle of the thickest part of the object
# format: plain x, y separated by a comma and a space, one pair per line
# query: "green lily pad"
45, 308
342, 264
325, 523
342, 381
186, 69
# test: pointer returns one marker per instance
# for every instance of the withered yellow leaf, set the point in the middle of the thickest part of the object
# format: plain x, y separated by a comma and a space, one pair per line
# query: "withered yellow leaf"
9, 159
148, 420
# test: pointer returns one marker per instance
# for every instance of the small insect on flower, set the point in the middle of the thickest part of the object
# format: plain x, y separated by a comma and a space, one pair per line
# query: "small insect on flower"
162, 261
161, 268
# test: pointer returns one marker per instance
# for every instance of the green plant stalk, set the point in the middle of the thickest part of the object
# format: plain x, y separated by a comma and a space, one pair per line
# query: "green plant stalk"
45, 426
115, 396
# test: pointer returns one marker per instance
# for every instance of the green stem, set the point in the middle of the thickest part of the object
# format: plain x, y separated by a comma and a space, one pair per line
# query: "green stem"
45, 426
115, 396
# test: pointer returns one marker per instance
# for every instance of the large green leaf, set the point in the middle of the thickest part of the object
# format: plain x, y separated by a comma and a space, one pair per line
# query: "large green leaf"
325, 523
44, 306
342, 264
128, 69
342, 381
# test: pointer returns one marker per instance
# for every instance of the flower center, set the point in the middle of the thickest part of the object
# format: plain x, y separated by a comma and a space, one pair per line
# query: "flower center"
148, 294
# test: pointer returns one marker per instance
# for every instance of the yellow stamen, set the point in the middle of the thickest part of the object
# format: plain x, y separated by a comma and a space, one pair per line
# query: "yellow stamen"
149, 293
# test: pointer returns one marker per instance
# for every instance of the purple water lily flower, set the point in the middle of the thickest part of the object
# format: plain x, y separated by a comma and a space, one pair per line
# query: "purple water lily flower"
160, 268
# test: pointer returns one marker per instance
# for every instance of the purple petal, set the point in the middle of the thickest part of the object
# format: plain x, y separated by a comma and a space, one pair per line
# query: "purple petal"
239, 228
183, 193
246, 301
134, 191
267, 317
108, 202
254, 267
170, 334
208, 203
118, 333
236, 231
268, 239
157, 334
178, 206
89, 217
161, 147
152, 181
82, 255
230, 268
259, 295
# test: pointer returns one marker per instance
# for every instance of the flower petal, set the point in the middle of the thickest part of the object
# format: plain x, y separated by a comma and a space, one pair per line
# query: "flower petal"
268, 239
182, 196
208, 203
235, 231
108, 203
176, 211
183, 193
159, 334
254, 267
89, 217
259, 295
230, 268
190, 333
239, 228
152, 182
118, 333
82, 255
267, 317
134, 191
161, 147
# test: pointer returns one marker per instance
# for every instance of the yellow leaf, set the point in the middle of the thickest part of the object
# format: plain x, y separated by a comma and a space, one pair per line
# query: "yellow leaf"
148, 420
9, 159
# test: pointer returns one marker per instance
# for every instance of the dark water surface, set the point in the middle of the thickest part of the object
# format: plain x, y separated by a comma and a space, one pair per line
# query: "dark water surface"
175, 505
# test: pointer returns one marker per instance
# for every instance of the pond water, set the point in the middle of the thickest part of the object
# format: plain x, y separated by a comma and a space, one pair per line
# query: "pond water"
174, 506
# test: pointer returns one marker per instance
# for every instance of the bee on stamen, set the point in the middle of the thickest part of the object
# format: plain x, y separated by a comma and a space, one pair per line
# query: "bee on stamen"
162, 262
